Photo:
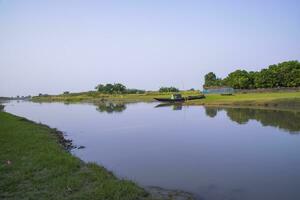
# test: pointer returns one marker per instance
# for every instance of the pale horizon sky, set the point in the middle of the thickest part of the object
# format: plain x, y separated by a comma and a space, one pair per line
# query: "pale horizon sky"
53, 46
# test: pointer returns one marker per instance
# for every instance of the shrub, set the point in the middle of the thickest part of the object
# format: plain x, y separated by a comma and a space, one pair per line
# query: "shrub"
168, 89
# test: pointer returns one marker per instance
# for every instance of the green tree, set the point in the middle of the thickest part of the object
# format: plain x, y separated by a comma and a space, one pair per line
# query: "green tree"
285, 74
239, 79
168, 89
116, 88
119, 88
212, 80
289, 73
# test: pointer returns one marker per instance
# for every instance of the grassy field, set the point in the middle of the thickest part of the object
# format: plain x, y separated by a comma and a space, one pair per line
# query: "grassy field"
33, 165
276, 99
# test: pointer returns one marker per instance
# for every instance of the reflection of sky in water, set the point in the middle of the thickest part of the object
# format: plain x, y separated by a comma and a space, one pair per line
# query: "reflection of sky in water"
214, 153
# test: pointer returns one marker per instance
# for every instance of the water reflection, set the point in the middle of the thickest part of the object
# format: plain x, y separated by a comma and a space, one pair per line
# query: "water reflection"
211, 111
110, 107
286, 120
176, 106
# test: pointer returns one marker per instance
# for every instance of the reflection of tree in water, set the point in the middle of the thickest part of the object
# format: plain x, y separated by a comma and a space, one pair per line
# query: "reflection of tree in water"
110, 107
242, 115
211, 111
176, 106
286, 120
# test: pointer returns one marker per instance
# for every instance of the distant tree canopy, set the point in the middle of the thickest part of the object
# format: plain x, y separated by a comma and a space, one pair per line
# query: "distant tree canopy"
117, 88
239, 79
285, 74
135, 91
212, 80
43, 95
168, 89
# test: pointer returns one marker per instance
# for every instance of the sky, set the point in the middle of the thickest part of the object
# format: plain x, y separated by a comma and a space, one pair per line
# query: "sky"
52, 46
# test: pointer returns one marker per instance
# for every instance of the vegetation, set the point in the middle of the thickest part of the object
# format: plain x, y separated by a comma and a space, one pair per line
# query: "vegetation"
285, 74
212, 80
276, 99
271, 99
43, 95
34, 166
135, 91
15, 98
5, 98
168, 89
289, 100
116, 88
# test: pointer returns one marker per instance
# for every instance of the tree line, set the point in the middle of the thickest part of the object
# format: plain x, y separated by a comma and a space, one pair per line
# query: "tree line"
285, 74
168, 89
117, 88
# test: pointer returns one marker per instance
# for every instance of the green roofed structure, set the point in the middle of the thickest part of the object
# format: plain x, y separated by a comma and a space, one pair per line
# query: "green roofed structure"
218, 90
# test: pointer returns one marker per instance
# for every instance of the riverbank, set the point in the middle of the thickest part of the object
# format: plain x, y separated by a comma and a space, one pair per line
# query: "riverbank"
289, 100
95, 97
34, 165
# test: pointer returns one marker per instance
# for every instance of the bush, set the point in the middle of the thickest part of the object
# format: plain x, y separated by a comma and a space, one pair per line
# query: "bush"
116, 88
135, 91
168, 89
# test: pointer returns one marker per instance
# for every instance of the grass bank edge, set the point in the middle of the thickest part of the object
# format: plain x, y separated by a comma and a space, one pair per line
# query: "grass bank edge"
275, 100
34, 164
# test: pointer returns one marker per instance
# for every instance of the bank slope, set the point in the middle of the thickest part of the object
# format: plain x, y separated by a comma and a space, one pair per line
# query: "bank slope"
33, 165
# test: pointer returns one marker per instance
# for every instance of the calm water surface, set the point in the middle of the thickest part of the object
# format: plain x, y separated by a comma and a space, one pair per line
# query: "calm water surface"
215, 153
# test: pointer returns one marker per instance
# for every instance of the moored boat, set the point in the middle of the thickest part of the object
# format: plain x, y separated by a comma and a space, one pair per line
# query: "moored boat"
179, 98
174, 98
195, 97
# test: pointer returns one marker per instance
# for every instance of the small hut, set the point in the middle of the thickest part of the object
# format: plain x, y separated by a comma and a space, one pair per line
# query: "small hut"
224, 90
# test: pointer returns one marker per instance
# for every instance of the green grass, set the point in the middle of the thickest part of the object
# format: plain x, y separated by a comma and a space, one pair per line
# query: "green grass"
33, 165
276, 99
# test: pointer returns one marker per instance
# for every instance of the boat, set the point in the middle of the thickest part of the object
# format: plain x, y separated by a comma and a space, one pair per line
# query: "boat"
179, 98
174, 98
226, 94
195, 97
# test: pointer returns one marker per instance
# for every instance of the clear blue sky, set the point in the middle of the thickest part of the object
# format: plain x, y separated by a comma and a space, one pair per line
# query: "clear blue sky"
56, 45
